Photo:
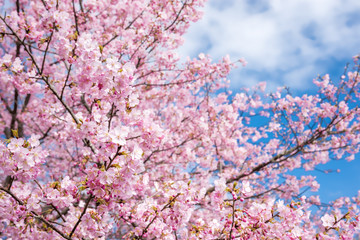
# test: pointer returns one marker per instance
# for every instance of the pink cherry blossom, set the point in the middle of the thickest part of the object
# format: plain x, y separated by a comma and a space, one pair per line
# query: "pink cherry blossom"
119, 134
327, 220
108, 134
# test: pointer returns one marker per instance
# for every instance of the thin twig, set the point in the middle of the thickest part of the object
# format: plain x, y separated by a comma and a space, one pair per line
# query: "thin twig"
82, 214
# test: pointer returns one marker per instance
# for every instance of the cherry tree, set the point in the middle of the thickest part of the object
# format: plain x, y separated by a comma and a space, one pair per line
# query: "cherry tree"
106, 134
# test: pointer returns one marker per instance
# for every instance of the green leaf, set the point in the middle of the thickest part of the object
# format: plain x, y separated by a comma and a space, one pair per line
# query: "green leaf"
15, 133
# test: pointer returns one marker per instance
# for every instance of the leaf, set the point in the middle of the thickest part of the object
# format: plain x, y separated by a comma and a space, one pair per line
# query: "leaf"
15, 133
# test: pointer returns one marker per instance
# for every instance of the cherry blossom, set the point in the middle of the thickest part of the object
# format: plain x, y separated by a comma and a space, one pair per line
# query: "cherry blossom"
328, 220
107, 134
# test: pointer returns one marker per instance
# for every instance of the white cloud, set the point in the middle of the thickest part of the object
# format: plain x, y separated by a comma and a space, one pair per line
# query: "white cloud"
283, 41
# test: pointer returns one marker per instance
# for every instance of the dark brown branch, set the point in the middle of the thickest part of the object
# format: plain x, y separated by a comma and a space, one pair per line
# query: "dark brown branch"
23, 43
12, 195
35, 215
6, 105
111, 114
113, 158
66, 80
45, 79
43, 2
130, 24
258, 195
81, 6
282, 156
167, 149
82, 214
45, 53
83, 102
233, 218
45, 134
75, 17
168, 205
61, 216
177, 16
50, 225
26, 102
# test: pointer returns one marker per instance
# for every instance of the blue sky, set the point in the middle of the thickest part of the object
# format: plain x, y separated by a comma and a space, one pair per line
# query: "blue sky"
285, 43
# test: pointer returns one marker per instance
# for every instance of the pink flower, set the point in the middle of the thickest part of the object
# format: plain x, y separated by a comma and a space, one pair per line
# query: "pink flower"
133, 99
137, 153
246, 187
68, 184
34, 140
17, 67
297, 232
243, 61
107, 177
327, 220
7, 60
15, 144
119, 134
262, 86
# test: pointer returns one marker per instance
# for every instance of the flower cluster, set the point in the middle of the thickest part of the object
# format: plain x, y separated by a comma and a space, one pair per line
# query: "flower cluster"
107, 134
